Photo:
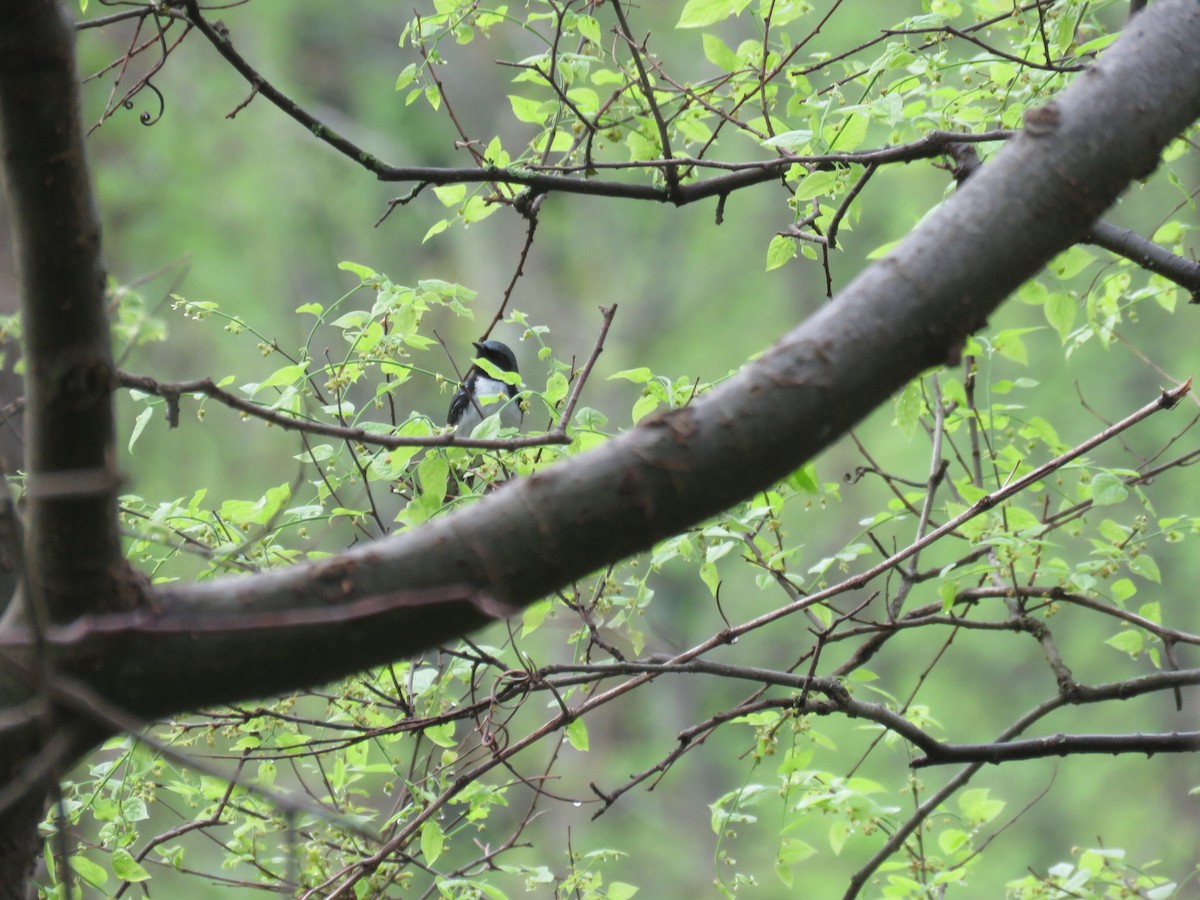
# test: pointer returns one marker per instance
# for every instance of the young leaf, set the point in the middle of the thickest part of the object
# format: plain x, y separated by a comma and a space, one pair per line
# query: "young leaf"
699, 13
126, 868
637, 376
577, 735
433, 840
1146, 567
909, 406
363, 272
1060, 310
139, 425
284, 376
1108, 489
717, 52
93, 874
533, 616
978, 807
556, 388
1127, 641
780, 251
442, 735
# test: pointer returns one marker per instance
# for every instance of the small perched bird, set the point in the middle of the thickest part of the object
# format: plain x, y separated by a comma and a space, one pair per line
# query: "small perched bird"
480, 395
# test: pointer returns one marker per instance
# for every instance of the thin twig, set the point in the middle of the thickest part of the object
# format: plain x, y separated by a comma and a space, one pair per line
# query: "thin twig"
671, 173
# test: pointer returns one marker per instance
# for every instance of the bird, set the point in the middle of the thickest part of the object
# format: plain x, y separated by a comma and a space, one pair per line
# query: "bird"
480, 395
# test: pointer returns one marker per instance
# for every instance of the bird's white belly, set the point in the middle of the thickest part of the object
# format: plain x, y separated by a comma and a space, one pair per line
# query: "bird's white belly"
491, 394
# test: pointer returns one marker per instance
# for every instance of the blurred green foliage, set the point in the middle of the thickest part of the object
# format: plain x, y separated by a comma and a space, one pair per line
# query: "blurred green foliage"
226, 239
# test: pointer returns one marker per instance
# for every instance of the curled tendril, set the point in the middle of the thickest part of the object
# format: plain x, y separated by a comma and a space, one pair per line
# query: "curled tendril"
145, 118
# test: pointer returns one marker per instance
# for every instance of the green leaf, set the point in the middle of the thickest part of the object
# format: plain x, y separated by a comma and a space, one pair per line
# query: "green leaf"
436, 228
1060, 311
433, 841
93, 874
556, 388
1108, 489
139, 425
699, 13
1071, 262
433, 473
910, 404
1146, 567
589, 28
791, 853
1039, 429
1097, 43
577, 735
287, 375
780, 251
1151, 611
620, 890
644, 406
947, 592
527, 110
805, 479
978, 807
407, 76
642, 147
838, 832
815, 184
1009, 344
638, 376
450, 194
363, 272
883, 250
1123, 589
784, 10
493, 371
952, 840
717, 52
442, 735
533, 616
257, 512
848, 134
315, 308
797, 141
1168, 232
126, 868
489, 428
1127, 641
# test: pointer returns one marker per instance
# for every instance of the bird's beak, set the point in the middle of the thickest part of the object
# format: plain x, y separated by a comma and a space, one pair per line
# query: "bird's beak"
478, 346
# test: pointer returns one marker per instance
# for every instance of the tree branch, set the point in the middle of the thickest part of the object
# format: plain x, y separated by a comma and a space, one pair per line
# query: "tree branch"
1147, 254
671, 172
553, 178
1121, 241
904, 315
73, 550
171, 391
1062, 745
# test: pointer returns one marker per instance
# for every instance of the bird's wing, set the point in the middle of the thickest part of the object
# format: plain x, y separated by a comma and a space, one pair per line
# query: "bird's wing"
458, 405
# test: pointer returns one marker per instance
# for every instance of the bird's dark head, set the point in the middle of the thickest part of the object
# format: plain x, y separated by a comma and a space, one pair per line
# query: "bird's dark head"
497, 354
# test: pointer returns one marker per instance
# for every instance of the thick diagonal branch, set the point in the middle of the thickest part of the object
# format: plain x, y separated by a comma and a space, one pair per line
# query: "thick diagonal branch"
904, 315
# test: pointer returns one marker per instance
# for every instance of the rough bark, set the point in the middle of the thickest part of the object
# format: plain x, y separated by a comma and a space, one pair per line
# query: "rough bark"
72, 544
72, 555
